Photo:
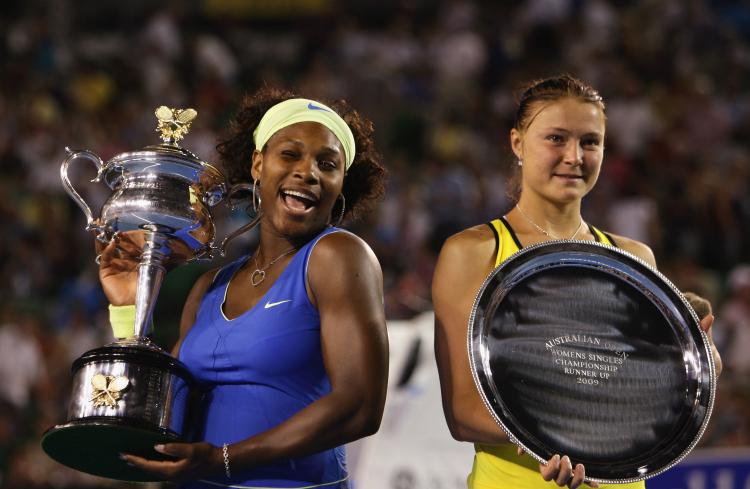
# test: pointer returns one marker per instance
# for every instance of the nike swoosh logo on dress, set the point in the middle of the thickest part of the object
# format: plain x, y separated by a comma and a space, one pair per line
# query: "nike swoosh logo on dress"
273, 304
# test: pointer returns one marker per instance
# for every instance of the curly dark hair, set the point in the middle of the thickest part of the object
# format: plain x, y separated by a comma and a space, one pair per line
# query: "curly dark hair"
546, 89
364, 181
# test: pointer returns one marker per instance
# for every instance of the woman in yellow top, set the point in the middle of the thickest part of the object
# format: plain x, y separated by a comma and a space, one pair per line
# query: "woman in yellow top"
558, 139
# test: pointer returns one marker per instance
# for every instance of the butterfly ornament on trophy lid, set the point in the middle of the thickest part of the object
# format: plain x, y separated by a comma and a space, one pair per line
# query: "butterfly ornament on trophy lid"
174, 123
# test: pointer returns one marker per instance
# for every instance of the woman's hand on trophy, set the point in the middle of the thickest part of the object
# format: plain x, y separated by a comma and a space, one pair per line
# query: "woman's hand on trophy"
706, 324
190, 461
703, 309
562, 472
118, 266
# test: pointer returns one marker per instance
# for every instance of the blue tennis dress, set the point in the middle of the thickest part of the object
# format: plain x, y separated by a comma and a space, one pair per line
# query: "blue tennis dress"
258, 370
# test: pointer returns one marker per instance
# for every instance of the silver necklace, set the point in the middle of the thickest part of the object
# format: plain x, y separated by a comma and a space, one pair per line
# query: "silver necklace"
544, 231
259, 275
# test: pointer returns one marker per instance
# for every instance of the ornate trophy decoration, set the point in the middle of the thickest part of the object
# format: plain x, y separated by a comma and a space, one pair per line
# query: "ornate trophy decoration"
174, 123
108, 389
129, 395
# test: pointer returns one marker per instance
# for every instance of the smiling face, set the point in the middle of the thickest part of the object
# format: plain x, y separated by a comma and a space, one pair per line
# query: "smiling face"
562, 148
301, 173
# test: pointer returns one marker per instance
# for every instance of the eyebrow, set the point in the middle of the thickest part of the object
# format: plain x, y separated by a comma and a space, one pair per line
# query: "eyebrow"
566, 131
297, 142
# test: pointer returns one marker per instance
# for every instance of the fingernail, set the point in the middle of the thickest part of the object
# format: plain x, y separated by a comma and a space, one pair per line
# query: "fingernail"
125, 459
556, 457
159, 448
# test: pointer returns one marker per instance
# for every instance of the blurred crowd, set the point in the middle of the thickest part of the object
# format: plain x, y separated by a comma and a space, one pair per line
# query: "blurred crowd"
439, 80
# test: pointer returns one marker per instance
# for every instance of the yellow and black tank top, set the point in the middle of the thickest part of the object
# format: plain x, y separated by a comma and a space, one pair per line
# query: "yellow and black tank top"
498, 466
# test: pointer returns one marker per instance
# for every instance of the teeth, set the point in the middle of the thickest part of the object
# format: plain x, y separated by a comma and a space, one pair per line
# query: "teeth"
300, 195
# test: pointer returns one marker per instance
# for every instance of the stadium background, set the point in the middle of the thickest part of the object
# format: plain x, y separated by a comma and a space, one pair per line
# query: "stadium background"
439, 80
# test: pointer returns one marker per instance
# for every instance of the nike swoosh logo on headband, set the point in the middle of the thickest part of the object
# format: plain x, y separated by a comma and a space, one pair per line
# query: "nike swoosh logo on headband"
315, 107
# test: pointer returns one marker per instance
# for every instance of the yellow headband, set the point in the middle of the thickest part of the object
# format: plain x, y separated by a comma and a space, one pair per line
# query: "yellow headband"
297, 110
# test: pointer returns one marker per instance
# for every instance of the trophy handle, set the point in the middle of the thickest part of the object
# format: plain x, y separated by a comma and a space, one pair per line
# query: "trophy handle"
222, 249
91, 224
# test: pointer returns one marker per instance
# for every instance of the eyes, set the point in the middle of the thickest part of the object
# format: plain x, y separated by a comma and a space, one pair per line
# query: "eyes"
588, 141
325, 160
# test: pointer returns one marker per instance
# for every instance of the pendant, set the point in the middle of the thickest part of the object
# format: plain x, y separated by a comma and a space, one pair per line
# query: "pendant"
257, 277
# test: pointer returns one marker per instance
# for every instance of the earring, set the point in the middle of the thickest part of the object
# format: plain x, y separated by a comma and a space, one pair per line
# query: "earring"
520, 162
256, 195
343, 206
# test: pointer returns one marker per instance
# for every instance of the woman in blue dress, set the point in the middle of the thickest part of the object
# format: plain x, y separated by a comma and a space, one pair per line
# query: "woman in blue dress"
289, 342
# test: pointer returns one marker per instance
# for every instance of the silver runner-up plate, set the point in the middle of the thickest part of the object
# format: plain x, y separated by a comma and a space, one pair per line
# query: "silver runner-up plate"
582, 349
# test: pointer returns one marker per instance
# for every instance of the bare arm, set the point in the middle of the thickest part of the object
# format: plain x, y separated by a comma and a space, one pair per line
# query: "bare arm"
464, 262
704, 311
636, 248
345, 282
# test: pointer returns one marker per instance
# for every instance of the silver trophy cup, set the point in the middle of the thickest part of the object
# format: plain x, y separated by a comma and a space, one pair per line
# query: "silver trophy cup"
130, 395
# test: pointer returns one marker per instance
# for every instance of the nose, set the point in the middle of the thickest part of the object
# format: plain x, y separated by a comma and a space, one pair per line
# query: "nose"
574, 153
306, 169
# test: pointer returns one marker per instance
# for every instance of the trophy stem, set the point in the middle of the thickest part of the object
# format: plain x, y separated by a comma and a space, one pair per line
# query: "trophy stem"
150, 276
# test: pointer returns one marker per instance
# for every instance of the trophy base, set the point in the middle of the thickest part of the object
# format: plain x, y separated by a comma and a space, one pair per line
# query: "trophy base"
126, 398
94, 447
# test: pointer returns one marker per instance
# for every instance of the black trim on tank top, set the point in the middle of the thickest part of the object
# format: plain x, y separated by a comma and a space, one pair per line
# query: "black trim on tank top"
611, 239
512, 233
607, 235
497, 239
594, 233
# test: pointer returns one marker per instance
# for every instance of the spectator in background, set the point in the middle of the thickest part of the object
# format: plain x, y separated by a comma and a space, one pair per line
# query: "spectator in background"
22, 366
89, 74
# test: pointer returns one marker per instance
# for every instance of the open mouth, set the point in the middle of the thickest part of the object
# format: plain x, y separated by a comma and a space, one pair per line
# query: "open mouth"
298, 201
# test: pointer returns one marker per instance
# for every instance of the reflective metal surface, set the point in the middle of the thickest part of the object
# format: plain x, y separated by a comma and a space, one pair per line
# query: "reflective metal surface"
582, 349
126, 398
165, 187
129, 395
162, 194
156, 392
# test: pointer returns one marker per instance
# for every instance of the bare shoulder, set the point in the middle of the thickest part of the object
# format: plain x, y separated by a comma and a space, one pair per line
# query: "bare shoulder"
464, 262
341, 263
470, 243
199, 290
204, 281
341, 247
344, 272
192, 303
641, 250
